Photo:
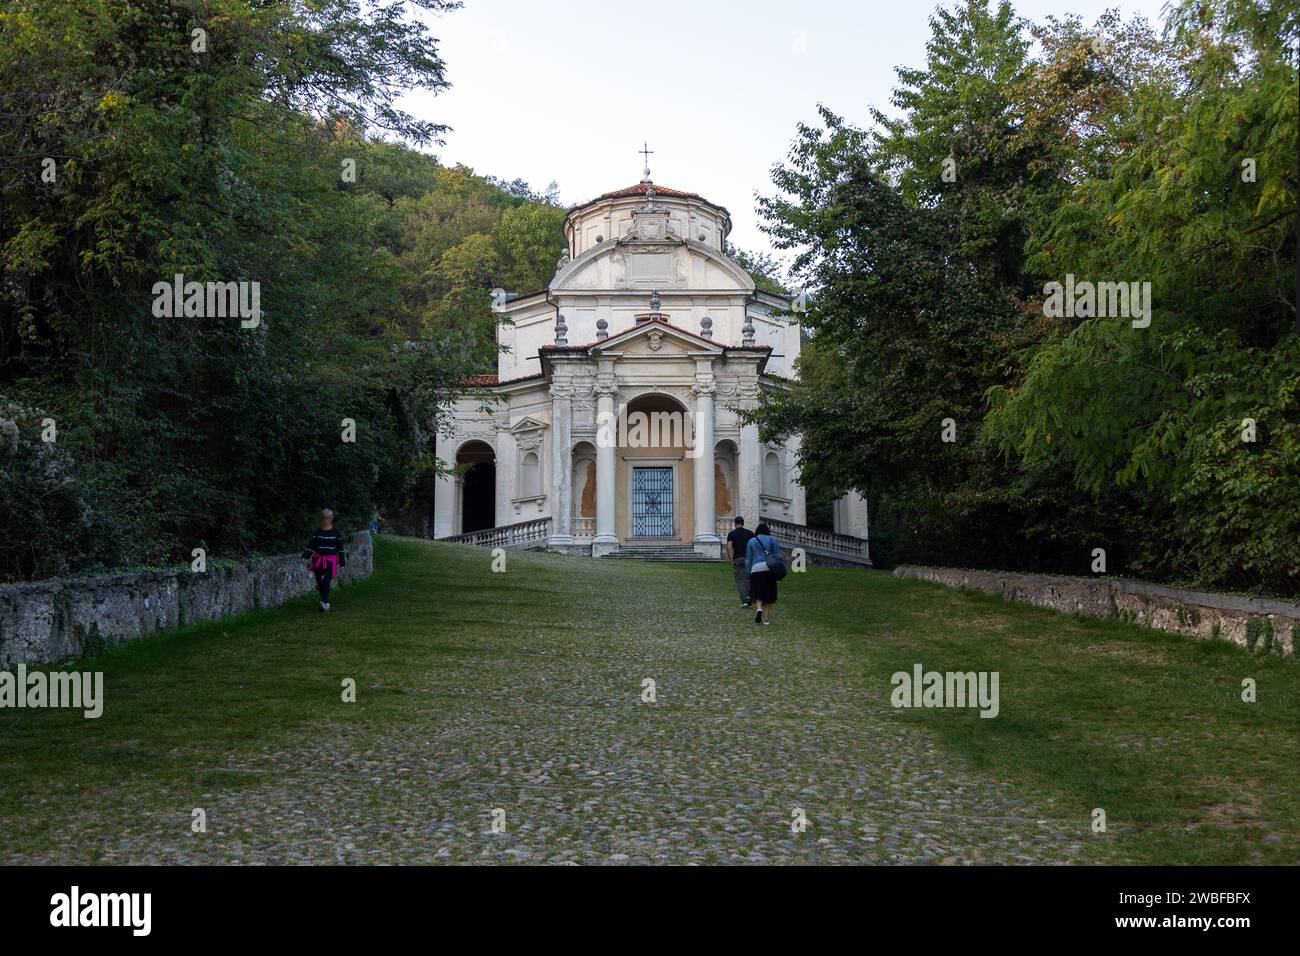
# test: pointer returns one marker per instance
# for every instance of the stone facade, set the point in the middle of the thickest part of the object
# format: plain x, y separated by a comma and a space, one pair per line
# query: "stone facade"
645, 314
53, 620
1195, 613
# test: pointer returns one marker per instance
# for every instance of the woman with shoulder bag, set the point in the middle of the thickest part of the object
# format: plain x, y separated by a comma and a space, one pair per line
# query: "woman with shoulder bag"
765, 567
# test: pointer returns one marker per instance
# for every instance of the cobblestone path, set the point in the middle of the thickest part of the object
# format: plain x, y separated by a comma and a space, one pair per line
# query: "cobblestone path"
524, 707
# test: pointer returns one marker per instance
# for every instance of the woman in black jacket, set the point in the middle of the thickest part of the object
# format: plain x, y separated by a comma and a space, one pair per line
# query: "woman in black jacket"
325, 556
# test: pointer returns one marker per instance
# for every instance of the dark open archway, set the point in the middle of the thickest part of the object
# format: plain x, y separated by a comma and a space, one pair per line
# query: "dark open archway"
478, 486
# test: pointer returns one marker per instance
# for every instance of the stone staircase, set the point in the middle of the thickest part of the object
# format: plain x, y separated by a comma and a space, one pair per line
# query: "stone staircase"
658, 552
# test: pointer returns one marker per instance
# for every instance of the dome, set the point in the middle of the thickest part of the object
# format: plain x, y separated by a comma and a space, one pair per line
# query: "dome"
610, 216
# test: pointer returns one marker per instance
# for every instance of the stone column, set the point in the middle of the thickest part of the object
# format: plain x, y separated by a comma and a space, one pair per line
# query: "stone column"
458, 507
444, 491
706, 540
561, 495
606, 539
507, 455
750, 465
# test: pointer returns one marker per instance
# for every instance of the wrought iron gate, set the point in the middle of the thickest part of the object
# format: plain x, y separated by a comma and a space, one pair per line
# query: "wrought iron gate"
652, 502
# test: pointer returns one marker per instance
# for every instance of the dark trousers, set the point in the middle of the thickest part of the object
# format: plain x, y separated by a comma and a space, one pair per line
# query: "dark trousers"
742, 580
323, 578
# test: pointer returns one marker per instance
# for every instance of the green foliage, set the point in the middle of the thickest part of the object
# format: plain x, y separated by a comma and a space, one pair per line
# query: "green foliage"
92, 642
910, 320
1165, 407
45, 499
464, 237
763, 267
530, 238
1258, 628
959, 110
225, 165
1112, 155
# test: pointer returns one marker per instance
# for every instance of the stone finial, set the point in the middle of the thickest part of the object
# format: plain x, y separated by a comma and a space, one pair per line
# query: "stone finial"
602, 329
706, 328
561, 331
747, 332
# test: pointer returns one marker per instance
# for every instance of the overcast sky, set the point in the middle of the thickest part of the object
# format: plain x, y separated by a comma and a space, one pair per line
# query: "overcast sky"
569, 90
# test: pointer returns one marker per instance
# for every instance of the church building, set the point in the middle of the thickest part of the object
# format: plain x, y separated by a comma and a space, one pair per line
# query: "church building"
612, 424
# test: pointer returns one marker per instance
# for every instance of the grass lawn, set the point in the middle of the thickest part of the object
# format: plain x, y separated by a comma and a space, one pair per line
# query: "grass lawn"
461, 671
1147, 726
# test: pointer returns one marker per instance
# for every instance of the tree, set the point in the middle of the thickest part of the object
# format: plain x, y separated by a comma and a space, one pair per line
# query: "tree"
530, 238
907, 240
1199, 200
1113, 156
957, 144
763, 267
218, 160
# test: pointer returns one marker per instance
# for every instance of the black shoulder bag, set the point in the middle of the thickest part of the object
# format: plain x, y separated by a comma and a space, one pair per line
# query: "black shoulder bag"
774, 563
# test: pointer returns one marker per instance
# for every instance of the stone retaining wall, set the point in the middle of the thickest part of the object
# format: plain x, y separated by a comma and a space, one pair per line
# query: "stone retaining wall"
53, 620
1196, 613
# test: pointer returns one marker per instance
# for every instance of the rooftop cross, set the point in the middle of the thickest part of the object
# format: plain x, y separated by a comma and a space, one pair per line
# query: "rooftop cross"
646, 152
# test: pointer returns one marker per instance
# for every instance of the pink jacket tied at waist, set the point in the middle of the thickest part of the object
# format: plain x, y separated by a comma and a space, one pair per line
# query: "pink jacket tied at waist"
319, 561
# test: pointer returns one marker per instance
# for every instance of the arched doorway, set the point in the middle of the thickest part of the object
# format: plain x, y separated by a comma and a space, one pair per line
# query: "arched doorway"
478, 486
655, 472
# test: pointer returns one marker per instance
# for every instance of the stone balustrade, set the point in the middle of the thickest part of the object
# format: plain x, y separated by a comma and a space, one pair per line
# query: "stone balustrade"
521, 535
842, 547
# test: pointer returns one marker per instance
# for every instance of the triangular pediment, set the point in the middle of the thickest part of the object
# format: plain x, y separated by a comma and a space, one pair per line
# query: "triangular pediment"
657, 338
528, 424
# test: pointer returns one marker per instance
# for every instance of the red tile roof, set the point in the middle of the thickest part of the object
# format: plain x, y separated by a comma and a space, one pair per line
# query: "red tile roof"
488, 380
639, 189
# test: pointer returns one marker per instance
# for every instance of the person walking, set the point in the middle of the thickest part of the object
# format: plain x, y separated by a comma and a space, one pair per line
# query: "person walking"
765, 566
325, 556
737, 544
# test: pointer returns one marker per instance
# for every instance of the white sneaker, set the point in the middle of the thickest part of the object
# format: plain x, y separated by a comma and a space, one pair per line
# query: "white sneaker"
327, 607
766, 621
